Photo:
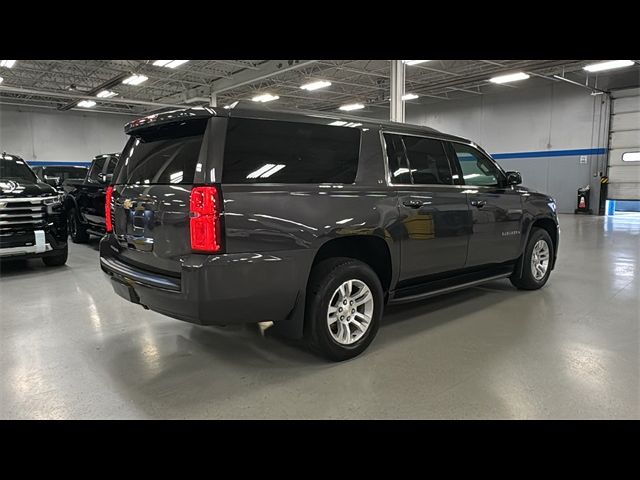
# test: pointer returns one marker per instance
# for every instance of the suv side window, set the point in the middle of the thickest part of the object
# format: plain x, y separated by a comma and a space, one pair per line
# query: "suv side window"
96, 169
272, 151
477, 169
417, 160
398, 169
427, 161
113, 161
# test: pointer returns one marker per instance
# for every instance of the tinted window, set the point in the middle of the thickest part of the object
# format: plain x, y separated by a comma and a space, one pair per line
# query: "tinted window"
96, 168
476, 168
63, 173
397, 160
165, 154
263, 151
417, 160
427, 160
113, 161
13, 168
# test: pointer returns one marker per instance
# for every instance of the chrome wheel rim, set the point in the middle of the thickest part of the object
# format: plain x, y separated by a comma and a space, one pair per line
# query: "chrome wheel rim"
350, 312
540, 259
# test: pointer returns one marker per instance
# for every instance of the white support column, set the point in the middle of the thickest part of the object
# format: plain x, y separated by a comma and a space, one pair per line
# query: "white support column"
397, 91
213, 102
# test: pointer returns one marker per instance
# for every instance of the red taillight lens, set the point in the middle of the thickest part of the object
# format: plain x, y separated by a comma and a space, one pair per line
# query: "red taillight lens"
204, 222
107, 209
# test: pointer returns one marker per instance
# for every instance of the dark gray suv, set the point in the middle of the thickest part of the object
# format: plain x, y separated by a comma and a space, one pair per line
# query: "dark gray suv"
312, 221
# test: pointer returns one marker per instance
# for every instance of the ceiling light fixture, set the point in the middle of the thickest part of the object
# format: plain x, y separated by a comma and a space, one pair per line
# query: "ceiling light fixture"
512, 77
169, 63
351, 106
265, 97
135, 79
409, 96
608, 65
315, 85
414, 62
7, 63
106, 94
87, 104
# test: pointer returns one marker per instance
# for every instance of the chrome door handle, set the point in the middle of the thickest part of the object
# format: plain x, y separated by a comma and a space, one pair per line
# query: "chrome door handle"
478, 203
412, 203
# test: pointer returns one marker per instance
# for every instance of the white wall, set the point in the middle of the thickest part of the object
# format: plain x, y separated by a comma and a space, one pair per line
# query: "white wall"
50, 135
549, 118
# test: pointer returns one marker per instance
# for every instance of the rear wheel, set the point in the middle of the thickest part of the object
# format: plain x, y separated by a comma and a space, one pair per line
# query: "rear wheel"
534, 268
344, 307
58, 259
77, 232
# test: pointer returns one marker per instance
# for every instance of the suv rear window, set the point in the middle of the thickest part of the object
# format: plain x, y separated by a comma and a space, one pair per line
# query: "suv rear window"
267, 151
164, 154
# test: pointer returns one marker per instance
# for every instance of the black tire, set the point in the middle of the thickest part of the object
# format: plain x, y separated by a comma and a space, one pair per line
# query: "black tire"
77, 232
523, 277
325, 279
57, 260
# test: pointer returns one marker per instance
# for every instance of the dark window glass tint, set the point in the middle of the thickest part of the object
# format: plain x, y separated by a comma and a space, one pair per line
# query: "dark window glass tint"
398, 169
13, 168
113, 161
428, 161
163, 155
264, 151
96, 168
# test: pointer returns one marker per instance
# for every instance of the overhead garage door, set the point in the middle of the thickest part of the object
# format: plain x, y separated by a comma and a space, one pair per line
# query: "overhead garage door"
624, 145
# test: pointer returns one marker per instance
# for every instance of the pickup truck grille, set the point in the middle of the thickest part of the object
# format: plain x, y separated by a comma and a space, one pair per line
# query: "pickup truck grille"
21, 215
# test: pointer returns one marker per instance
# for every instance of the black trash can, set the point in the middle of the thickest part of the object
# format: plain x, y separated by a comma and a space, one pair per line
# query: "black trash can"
583, 200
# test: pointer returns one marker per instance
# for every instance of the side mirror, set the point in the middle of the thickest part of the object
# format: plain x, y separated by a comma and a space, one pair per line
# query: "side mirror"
514, 178
105, 178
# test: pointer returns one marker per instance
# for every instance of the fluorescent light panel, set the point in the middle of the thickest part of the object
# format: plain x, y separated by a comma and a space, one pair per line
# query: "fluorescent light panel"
414, 62
87, 104
316, 85
409, 96
106, 94
609, 65
265, 97
7, 63
351, 106
135, 80
512, 77
169, 63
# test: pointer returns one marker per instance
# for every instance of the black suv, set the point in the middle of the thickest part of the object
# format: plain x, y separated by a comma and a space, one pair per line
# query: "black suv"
312, 221
32, 217
85, 198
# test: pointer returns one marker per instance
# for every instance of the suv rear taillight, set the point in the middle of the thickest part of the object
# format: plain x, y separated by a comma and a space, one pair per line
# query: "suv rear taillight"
107, 208
204, 222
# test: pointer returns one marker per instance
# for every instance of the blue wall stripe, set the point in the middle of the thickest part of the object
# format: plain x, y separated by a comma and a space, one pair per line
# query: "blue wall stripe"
550, 153
497, 156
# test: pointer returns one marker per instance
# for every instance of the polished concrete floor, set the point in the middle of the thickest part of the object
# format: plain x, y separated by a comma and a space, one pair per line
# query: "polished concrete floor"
70, 348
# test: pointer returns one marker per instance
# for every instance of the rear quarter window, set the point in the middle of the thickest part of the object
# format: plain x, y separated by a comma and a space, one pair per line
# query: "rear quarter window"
268, 151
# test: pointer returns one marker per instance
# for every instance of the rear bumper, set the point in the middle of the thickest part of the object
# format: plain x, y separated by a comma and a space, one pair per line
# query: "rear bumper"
214, 289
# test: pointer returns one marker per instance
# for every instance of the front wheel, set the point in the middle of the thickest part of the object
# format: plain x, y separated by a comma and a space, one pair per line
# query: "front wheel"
77, 232
58, 259
344, 307
534, 268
